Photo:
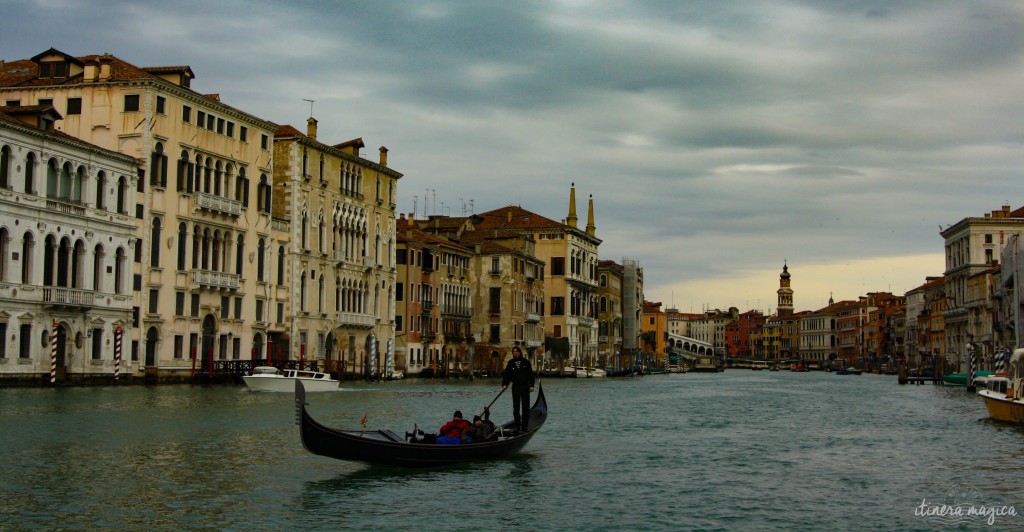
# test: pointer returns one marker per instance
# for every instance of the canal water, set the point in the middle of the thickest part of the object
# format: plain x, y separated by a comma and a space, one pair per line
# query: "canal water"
740, 450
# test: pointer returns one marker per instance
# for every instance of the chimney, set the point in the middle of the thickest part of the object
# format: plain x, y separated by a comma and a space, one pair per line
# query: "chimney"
105, 67
383, 156
311, 128
90, 72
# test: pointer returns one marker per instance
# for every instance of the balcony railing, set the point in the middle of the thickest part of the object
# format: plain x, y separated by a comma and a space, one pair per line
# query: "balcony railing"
428, 307
66, 206
214, 279
277, 224
358, 320
68, 297
532, 317
211, 202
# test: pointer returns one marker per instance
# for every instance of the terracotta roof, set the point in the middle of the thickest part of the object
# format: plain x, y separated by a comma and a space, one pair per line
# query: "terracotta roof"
287, 131
515, 217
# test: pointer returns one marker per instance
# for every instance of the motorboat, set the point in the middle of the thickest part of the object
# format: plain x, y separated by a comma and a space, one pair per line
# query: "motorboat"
1004, 396
849, 371
676, 368
382, 446
583, 372
271, 379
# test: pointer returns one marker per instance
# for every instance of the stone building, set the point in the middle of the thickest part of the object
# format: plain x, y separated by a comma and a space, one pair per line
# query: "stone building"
338, 212
201, 205
67, 234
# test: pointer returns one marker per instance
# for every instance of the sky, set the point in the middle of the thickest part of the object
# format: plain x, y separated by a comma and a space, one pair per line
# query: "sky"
719, 140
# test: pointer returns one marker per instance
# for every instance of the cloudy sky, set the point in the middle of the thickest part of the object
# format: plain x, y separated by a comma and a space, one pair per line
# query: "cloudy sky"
718, 139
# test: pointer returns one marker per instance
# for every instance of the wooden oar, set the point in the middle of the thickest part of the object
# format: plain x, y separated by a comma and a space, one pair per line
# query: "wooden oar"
488, 407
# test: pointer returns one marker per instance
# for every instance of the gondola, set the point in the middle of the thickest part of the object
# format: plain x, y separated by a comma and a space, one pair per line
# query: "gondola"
385, 447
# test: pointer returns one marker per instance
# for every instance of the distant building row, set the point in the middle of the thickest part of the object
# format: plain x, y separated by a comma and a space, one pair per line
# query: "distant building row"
976, 302
146, 228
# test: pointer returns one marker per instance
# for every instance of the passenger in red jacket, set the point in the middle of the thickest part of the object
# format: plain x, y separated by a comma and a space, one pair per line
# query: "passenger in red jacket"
453, 431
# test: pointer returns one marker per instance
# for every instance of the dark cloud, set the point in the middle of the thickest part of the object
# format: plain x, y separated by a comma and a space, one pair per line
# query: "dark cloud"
717, 138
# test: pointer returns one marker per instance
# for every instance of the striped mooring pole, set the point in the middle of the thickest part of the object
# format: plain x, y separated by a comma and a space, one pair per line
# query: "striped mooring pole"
118, 334
53, 354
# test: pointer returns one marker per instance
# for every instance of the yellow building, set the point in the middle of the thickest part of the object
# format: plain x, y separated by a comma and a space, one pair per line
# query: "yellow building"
570, 284
198, 218
339, 287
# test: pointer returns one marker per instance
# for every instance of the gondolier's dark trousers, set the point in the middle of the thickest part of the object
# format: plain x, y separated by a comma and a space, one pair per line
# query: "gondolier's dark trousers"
521, 404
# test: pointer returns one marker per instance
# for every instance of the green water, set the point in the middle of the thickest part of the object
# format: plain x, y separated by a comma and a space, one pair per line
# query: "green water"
740, 450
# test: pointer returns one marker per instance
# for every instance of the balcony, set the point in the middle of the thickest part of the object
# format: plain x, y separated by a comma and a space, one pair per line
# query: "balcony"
278, 224
534, 343
218, 204
585, 321
428, 307
65, 206
68, 297
532, 317
218, 280
602, 339
355, 319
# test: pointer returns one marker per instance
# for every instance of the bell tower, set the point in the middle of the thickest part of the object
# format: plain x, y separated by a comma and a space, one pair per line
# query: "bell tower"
785, 306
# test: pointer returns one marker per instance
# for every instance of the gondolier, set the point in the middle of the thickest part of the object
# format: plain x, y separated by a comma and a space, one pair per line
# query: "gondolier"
519, 373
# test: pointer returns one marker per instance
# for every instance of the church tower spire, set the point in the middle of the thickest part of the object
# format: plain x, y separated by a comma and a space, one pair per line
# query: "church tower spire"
571, 219
785, 306
590, 217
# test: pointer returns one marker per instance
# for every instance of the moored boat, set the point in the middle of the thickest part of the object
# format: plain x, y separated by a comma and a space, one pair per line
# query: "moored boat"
585, 372
270, 379
1003, 396
849, 371
960, 379
383, 446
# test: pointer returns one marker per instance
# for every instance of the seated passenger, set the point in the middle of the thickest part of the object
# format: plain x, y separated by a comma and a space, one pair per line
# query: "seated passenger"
453, 431
482, 429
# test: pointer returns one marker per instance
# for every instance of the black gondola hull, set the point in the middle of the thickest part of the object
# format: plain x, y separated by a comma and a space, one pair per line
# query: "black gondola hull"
385, 447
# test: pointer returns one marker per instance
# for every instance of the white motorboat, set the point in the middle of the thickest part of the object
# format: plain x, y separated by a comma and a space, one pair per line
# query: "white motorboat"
676, 368
270, 379
584, 372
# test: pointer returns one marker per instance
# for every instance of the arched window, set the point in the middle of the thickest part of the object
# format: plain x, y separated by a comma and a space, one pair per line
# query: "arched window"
4, 237
218, 176
321, 242
122, 195
263, 200
185, 170
52, 173
77, 181
5, 167
320, 294
182, 239
305, 232
27, 263
158, 166
154, 250
101, 189
119, 264
30, 173
239, 254
261, 252
280, 265
97, 268
65, 182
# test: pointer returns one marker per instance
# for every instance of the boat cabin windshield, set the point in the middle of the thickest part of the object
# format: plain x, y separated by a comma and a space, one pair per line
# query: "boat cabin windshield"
997, 385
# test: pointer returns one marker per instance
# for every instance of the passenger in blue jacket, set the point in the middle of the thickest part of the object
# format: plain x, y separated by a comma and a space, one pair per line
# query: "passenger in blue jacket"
519, 373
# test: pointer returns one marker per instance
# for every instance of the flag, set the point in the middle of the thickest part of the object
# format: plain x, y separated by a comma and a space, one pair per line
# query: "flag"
363, 422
